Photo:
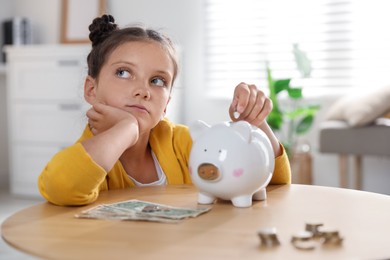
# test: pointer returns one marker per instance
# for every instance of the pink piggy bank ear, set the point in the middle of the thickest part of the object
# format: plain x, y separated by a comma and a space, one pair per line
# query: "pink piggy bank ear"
197, 128
244, 129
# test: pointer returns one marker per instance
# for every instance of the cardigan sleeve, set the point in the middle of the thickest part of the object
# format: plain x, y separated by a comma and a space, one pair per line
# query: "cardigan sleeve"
71, 177
282, 170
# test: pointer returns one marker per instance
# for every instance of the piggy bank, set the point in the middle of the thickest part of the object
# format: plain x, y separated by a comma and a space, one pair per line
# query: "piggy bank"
230, 161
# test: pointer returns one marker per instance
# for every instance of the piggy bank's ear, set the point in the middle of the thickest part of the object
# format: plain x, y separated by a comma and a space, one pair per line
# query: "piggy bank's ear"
197, 128
244, 129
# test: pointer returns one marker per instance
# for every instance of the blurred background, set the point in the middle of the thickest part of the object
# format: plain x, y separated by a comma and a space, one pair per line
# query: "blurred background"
222, 43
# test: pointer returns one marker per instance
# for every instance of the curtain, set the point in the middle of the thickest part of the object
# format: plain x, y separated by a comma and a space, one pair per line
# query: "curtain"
347, 43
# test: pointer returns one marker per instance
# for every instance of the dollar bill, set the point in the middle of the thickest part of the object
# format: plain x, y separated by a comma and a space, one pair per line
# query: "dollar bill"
141, 210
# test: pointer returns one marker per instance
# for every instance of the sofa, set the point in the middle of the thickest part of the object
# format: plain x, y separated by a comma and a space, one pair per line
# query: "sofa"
337, 137
355, 126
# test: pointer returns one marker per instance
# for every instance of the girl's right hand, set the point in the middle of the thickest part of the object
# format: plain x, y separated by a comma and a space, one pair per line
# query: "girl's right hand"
108, 119
102, 117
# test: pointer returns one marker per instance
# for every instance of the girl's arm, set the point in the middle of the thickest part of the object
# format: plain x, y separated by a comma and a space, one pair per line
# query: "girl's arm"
114, 131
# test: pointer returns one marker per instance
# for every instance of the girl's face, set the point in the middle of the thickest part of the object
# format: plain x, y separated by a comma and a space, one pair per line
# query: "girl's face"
137, 78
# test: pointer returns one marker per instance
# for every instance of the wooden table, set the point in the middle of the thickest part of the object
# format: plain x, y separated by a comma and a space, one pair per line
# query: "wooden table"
226, 232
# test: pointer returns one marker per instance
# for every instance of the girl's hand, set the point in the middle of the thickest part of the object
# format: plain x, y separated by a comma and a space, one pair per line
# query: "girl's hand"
252, 105
102, 117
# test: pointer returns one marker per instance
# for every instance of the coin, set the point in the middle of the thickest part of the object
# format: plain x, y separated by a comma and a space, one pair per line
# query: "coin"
330, 236
305, 245
303, 240
313, 228
236, 115
268, 237
302, 236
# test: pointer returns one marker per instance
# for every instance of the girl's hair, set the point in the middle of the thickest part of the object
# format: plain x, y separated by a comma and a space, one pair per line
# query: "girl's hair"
106, 36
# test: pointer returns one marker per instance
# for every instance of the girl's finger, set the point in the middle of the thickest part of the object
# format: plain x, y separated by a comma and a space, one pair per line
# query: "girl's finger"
249, 102
241, 95
256, 109
99, 107
92, 114
263, 113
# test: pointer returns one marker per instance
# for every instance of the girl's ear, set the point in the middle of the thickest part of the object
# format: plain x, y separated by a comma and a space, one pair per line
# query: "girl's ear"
90, 90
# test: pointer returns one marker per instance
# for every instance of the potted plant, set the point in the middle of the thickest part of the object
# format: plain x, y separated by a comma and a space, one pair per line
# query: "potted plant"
296, 118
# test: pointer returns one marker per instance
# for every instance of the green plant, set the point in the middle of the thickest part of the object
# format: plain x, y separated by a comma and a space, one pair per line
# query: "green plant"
298, 117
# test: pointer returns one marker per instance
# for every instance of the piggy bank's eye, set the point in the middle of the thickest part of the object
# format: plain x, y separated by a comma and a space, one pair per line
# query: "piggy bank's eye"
219, 151
205, 150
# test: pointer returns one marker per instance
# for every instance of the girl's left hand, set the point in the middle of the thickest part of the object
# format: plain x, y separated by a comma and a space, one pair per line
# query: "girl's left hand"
251, 103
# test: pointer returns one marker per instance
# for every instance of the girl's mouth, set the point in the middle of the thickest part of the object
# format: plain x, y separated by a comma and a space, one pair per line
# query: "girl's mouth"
138, 108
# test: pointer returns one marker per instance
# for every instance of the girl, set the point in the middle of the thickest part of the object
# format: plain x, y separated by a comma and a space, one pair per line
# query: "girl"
127, 141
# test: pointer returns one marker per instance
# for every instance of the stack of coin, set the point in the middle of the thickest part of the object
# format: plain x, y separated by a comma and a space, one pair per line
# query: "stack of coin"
313, 228
330, 236
314, 235
303, 240
268, 237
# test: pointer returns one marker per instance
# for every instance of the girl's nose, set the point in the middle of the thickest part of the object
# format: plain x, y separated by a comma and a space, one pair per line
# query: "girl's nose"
142, 91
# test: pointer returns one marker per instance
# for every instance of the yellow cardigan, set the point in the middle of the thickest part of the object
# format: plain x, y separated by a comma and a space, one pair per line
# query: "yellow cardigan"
71, 177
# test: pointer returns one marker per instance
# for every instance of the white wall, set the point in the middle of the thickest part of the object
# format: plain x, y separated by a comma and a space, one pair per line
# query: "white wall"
5, 10
182, 20
45, 17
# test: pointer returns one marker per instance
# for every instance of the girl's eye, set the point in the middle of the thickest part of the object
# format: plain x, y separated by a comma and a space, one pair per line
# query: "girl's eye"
123, 73
158, 82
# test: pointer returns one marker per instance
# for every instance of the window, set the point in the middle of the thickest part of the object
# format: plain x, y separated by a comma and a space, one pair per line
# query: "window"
347, 42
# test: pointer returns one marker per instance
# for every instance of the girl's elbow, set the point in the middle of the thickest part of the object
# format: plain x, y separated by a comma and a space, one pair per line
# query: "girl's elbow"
63, 195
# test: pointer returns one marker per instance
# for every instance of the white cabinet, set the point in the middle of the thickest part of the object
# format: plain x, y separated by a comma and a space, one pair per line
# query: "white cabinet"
46, 108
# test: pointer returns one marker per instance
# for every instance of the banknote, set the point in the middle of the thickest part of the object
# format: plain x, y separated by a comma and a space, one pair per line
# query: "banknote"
141, 210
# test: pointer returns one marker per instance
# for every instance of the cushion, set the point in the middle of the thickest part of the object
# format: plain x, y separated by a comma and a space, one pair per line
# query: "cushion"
362, 108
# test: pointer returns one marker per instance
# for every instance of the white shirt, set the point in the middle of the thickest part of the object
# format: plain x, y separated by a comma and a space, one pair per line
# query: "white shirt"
162, 178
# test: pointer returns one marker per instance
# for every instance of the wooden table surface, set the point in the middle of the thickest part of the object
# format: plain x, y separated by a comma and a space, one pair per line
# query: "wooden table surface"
226, 232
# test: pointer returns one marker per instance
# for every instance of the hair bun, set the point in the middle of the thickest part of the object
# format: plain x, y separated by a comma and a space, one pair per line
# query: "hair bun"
101, 28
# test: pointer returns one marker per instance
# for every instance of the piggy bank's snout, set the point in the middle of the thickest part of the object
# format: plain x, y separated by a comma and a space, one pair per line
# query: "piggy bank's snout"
208, 172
